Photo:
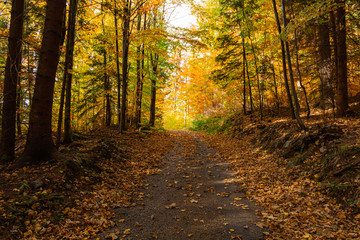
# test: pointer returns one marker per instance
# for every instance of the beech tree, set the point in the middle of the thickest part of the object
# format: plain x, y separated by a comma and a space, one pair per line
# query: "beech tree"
39, 145
12, 70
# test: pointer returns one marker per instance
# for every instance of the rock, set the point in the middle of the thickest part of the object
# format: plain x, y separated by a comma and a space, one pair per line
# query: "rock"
38, 183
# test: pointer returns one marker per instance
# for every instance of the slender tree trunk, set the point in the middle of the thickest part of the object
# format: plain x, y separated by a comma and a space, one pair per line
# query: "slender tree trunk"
142, 72
258, 79
62, 94
125, 64
276, 89
69, 62
39, 145
138, 79
342, 89
244, 76
300, 76
154, 63
335, 58
107, 88
12, 69
117, 65
283, 54
107, 85
18, 107
292, 82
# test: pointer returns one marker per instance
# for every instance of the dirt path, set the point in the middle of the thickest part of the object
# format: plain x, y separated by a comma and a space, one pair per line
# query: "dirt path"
194, 196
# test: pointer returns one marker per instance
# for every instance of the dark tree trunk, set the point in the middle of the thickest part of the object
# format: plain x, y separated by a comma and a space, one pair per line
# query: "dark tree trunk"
12, 69
62, 94
138, 79
283, 54
107, 88
69, 62
335, 56
258, 79
154, 63
125, 64
292, 82
244, 76
325, 65
39, 145
342, 89
117, 65
18, 108
107, 84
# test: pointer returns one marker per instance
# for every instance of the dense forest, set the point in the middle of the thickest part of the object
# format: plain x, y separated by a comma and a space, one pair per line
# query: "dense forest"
121, 63
80, 78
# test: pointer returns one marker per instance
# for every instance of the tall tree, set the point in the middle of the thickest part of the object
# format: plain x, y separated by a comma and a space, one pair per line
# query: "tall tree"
283, 54
125, 62
342, 89
12, 70
39, 144
117, 63
69, 62
154, 62
325, 64
292, 82
140, 74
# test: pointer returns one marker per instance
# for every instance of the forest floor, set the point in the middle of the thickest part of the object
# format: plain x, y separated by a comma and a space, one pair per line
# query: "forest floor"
268, 181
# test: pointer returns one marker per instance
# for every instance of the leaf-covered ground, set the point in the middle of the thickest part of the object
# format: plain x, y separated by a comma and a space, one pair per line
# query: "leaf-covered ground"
296, 205
102, 175
194, 196
50, 202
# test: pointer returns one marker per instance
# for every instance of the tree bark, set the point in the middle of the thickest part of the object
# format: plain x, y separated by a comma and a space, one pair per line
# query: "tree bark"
244, 76
39, 144
69, 62
12, 69
154, 63
138, 79
292, 82
62, 94
300, 76
125, 63
117, 65
283, 54
342, 89
325, 65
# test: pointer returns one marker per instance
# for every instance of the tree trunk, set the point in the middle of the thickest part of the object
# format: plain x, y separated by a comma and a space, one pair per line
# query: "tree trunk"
249, 84
12, 69
299, 74
62, 94
107, 84
292, 82
107, 88
154, 63
342, 89
138, 79
276, 89
283, 54
335, 57
18, 107
39, 145
325, 64
117, 65
125, 63
69, 62
258, 79
244, 76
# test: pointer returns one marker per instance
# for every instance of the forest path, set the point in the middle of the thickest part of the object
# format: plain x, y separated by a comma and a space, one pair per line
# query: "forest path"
194, 196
